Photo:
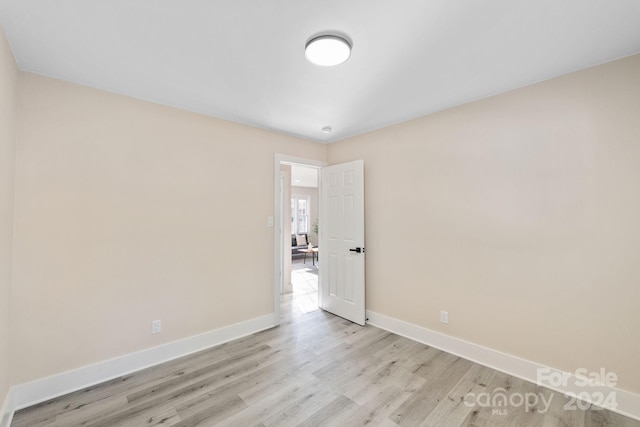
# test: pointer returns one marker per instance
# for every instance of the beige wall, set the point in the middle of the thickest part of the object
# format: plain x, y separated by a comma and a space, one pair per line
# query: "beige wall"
520, 215
126, 212
8, 91
312, 193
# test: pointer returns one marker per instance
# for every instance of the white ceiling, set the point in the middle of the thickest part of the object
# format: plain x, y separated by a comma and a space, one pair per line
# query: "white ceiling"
244, 60
303, 176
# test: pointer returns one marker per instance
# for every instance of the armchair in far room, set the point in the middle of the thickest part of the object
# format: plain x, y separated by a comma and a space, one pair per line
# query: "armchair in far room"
299, 241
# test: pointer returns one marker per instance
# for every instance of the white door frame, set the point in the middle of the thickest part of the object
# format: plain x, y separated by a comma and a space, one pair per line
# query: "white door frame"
278, 275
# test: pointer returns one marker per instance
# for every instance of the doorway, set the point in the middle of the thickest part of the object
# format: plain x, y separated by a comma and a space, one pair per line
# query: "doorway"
297, 272
304, 229
341, 276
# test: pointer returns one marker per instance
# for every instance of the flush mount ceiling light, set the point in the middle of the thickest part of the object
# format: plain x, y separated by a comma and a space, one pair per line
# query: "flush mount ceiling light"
327, 50
327, 129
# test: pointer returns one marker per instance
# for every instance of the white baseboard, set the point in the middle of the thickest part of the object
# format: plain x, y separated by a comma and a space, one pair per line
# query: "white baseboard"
6, 413
628, 403
27, 394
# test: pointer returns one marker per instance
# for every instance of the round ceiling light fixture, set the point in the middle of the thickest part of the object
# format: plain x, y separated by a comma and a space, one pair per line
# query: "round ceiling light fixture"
327, 129
327, 50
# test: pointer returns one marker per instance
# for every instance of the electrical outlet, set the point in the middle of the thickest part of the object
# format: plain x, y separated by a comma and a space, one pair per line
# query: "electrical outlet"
444, 317
156, 326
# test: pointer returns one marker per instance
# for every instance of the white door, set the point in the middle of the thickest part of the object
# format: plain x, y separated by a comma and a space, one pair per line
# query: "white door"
341, 251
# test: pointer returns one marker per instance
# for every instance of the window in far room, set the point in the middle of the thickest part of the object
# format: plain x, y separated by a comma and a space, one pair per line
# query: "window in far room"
299, 214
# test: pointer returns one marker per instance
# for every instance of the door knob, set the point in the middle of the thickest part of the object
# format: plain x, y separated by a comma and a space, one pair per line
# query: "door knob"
357, 250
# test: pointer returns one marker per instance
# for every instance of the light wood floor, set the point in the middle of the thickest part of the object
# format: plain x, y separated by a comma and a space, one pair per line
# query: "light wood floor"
304, 278
315, 369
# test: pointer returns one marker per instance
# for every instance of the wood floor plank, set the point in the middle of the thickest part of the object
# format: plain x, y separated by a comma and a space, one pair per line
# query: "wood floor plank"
558, 415
453, 410
407, 353
99, 408
209, 411
180, 392
503, 412
164, 417
207, 370
296, 376
525, 414
443, 373
301, 407
50, 409
602, 418
372, 380
331, 413
377, 409
25, 419
278, 400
